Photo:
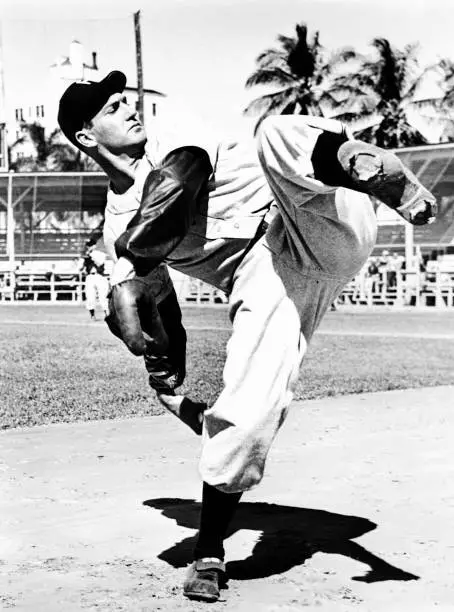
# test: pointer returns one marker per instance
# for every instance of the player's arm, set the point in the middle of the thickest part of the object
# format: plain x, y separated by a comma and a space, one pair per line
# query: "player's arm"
149, 327
146, 316
170, 199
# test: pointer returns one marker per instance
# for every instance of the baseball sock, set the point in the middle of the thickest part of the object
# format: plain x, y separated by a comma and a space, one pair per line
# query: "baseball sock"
325, 163
217, 512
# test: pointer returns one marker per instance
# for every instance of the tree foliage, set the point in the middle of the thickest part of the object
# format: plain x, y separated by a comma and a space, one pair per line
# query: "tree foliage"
50, 153
381, 95
299, 72
386, 95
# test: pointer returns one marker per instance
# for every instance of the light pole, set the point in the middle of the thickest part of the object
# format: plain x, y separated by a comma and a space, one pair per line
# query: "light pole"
140, 105
3, 130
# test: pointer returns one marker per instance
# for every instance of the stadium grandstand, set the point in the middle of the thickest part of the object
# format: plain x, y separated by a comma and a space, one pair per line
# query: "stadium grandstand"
434, 166
47, 218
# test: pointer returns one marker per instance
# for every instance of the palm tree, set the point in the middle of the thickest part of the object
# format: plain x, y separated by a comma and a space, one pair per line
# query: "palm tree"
446, 67
300, 71
50, 153
384, 96
41, 154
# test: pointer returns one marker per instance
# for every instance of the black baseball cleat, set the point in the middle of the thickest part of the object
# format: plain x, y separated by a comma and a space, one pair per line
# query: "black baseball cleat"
380, 173
204, 580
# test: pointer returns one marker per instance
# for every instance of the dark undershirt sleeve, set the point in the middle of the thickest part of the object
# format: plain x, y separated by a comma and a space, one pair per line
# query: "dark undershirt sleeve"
170, 199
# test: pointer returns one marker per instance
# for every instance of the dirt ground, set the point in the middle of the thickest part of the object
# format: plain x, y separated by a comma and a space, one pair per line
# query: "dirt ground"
355, 512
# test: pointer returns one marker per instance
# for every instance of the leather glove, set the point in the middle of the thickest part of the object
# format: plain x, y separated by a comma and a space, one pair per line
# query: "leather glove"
135, 318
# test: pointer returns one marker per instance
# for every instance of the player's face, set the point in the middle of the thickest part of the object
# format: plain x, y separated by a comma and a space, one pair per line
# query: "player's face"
117, 126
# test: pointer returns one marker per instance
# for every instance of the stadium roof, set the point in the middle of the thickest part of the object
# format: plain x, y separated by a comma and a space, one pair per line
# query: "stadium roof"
433, 165
83, 191
55, 191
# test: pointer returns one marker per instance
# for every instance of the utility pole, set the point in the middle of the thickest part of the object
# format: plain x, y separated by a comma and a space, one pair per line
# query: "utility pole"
3, 135
140, 106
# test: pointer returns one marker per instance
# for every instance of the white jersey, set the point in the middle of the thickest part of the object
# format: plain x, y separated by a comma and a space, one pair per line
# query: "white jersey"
239, 199
242, 193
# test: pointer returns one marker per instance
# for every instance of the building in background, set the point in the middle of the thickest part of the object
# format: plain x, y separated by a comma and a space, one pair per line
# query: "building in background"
41, 107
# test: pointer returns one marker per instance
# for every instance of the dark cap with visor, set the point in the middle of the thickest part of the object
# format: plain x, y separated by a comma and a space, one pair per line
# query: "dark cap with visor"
84, 99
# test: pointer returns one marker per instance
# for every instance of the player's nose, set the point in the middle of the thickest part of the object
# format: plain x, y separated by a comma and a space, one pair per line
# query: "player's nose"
130, 112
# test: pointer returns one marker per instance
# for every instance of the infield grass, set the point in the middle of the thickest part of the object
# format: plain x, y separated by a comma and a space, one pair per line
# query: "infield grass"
58, 366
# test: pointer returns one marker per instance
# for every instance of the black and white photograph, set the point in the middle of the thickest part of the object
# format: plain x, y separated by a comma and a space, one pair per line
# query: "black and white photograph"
226, 305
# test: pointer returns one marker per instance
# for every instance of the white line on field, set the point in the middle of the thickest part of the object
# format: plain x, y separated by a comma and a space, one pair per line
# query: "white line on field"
333, 332
214, 328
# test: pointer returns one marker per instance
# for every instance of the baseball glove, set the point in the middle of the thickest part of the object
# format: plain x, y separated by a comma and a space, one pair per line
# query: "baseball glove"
151, 330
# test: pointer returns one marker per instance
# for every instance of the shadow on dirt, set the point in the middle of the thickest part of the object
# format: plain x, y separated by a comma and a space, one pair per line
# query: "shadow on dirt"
288, 537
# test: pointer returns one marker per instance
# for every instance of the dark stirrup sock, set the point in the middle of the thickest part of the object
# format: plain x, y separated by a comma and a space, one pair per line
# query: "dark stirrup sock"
217, 512
327, 167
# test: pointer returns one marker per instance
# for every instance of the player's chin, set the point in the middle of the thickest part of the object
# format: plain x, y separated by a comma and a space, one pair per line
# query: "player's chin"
137, 133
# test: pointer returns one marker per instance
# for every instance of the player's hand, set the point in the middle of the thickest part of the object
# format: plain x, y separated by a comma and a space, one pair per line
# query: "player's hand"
163, 376
168, 370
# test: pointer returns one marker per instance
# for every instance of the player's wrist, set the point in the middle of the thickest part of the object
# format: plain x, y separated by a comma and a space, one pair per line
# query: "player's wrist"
123, 270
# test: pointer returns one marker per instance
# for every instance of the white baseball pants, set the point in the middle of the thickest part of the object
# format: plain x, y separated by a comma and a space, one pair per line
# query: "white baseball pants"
319, 240
96, 288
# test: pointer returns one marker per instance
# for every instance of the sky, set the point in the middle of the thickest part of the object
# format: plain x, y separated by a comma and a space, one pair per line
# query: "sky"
200, 52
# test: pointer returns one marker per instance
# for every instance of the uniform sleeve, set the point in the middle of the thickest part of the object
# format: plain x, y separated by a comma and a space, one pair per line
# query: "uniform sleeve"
109, 236
285, 144
170, 199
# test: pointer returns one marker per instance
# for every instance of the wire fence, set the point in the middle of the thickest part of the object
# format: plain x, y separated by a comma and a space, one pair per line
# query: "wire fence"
47, 218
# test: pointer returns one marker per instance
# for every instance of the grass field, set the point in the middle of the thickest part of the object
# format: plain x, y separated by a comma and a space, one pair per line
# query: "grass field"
59, 366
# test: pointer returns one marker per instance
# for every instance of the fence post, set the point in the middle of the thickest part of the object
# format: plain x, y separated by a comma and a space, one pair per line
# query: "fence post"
10, 233
79, 288
53, 296
399, 289
439, 302
418, 289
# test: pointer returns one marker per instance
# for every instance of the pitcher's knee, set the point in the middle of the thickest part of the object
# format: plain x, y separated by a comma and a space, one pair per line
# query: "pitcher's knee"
234, 463
231, 480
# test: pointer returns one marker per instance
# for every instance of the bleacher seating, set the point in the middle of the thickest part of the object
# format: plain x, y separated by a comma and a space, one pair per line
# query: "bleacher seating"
49, 286
198, 292
52, 287
411, 289
48, 281
64, 244
435, 235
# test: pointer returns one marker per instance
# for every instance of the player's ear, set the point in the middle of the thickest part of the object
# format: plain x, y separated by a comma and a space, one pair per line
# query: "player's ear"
85, 138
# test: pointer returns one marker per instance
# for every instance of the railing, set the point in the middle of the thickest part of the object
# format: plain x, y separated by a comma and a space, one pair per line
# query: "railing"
58, 286
47, 286
406, 289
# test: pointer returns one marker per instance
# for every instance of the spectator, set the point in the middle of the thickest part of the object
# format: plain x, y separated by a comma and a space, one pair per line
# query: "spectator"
394, 268
20, 267
51, 275
383, 270
92, 264
373, 275
432, 267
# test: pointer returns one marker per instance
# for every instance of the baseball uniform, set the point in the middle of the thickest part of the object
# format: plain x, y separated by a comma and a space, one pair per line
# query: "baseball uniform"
96, 282
279, 284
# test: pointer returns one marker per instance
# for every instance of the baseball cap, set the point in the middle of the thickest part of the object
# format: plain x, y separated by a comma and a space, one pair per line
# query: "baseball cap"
84, 99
